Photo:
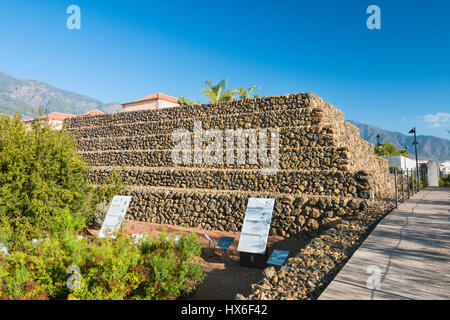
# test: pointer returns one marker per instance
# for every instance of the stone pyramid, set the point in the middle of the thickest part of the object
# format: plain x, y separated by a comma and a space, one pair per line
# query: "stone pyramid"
323, 168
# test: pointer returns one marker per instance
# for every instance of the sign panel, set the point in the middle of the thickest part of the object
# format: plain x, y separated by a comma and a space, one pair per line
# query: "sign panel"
3, 249
256, 227
278, 257
225, 243
114, 217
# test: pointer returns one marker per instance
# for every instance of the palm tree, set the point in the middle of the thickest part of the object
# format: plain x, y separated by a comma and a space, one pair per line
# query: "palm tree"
246, 94
218, 93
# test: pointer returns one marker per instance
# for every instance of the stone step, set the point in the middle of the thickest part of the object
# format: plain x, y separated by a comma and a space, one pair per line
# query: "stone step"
254, 106
294, 137
224, 210
143, 128
323, 182
299, 158
269, 119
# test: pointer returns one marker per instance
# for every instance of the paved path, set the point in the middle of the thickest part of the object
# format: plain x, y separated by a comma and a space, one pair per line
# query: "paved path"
408, 254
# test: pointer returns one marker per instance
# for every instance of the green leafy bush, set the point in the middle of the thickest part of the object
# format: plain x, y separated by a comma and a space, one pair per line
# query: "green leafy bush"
106, 268
44, 189
389, 149
444, 181
42, 178
412, 182
45, 194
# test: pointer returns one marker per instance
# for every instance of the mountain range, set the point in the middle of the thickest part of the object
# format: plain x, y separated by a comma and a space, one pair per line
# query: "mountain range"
25, 96
429, 147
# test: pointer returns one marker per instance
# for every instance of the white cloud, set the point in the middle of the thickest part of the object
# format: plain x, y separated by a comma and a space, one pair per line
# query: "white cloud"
437, 120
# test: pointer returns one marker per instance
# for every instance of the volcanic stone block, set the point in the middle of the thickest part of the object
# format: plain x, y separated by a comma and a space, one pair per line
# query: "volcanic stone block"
253, 106
302, 158
324, 167
225, 210
269, 119
295, 182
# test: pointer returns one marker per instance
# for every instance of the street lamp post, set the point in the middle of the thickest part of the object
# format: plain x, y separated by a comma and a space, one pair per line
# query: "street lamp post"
378, 142
415, 143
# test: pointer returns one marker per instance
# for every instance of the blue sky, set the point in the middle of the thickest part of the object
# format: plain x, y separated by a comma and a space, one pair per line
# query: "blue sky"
393, 78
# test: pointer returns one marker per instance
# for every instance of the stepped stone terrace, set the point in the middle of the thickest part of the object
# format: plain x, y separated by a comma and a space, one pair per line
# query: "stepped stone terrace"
324, 169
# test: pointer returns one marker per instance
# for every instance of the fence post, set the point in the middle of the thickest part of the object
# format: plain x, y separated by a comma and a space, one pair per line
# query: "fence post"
413, 184
407, 182
396, 189
403, 187
417, 182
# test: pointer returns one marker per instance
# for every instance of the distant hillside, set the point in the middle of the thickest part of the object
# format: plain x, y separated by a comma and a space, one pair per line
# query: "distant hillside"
25, 96
430, 148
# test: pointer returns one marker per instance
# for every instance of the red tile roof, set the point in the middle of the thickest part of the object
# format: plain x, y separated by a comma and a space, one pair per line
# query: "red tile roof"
93, 113
156, 96
58, 116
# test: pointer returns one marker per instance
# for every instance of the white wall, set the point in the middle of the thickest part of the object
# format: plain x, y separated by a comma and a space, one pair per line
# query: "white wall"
433, 173
148, 105
401, 162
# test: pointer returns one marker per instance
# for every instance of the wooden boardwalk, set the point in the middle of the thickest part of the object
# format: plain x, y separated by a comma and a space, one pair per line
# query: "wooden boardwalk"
406, 257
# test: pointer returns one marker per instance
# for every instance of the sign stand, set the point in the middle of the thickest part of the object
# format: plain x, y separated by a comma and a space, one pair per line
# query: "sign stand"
253, 260
224, 243
255, 233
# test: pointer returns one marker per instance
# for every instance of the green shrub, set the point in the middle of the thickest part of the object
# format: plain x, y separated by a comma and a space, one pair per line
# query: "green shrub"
41, 178
44, 190
444, 181
413, 180
113, 269
45, 193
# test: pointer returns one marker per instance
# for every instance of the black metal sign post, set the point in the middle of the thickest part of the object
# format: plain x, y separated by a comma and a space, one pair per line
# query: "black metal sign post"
415, 143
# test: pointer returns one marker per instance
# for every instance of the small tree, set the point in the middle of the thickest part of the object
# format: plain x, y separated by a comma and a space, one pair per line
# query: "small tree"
389, 149
386, 149
404, 152
247, 93
218, 92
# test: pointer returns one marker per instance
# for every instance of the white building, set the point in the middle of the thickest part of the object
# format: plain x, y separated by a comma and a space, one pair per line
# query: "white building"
401, 162
54, 119
154, 101
433, 168
445, 167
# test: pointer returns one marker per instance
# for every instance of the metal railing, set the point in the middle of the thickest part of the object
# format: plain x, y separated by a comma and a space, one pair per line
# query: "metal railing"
411, 182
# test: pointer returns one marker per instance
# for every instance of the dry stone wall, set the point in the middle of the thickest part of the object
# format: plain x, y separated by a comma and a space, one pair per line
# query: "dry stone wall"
325, 170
